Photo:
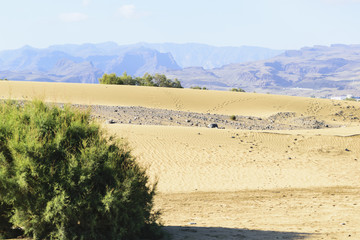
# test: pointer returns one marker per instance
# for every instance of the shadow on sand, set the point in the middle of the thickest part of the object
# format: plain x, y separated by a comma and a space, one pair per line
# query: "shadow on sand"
209, 233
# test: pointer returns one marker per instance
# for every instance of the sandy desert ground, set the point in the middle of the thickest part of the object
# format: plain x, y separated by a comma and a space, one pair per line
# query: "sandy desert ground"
236, 183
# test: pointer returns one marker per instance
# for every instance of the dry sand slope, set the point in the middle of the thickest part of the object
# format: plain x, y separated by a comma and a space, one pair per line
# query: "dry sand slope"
237, 184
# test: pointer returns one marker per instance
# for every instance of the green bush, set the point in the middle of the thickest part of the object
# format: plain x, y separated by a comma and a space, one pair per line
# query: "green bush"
64, 178
157, 80
350, 99
6, 230
233, 117
237, 90
199, 88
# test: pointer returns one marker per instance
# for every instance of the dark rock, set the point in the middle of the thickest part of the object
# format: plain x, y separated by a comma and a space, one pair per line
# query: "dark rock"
111, 121
213, 125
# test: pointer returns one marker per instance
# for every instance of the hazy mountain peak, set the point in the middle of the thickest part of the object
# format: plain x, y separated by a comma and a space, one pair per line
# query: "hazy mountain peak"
65, 62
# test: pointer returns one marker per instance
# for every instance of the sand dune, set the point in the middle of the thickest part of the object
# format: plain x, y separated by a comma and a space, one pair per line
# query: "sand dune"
220, 102
237, 184
208, 160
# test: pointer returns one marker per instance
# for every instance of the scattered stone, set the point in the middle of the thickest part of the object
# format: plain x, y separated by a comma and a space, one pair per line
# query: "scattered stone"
213, 125
111, 121
149, 116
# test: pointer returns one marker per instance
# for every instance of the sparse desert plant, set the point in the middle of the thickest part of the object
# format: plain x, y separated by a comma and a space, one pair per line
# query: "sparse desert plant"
199, 88
196, 87
237, 90
64, 178
233, 117
350, 99
157, 80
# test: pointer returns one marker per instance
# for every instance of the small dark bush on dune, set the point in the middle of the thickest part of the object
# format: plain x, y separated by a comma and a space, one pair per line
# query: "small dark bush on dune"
237, 90
61, 178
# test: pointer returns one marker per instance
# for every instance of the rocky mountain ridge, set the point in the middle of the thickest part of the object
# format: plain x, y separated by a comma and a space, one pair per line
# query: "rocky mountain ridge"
87, 62
323, 71
319, 69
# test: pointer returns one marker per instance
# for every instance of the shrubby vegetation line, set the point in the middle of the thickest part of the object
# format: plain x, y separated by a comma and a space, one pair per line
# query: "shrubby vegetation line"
157, 80
237, 90
62, 177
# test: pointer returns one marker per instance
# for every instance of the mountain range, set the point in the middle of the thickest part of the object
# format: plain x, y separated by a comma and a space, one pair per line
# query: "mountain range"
318, 70
87, 62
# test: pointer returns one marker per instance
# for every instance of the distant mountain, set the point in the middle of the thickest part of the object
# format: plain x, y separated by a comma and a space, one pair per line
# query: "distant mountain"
87, 62
315, 68
81, 63
135, 62
202, 55
32, 59
63, 71
185, 55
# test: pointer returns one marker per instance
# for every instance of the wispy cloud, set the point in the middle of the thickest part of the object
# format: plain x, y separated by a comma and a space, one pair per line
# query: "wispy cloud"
86, 2
129, 11
73, 17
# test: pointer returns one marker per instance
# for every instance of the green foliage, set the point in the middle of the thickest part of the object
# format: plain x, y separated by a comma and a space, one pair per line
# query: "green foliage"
157, 80
233, 117
237, 90
6, 230
199, 88
5, 79
63, 179
350, 99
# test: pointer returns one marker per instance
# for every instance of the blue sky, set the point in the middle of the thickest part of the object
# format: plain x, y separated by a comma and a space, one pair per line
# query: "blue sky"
277, 24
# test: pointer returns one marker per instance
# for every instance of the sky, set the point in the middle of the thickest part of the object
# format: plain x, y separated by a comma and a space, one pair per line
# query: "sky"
276, 24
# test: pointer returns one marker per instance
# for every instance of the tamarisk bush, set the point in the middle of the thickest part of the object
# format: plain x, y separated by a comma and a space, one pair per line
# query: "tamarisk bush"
62, 177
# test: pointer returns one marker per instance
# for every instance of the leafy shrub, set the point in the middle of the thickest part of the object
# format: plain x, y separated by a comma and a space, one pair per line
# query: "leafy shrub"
6, 230
350, 99
157, 80
233, 117
196, 87
65, 180
237, 90
199, 88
